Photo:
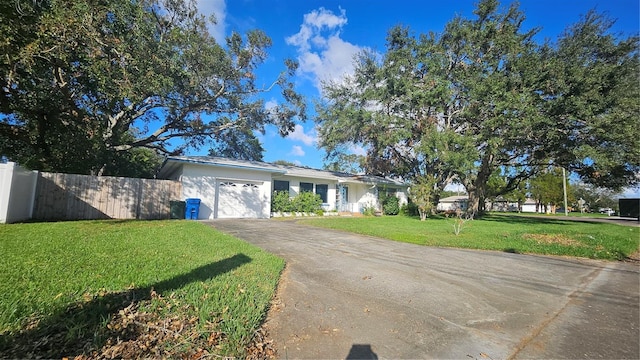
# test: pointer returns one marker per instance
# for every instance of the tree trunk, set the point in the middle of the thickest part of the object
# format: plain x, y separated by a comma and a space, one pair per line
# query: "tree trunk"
423, 214
478, 190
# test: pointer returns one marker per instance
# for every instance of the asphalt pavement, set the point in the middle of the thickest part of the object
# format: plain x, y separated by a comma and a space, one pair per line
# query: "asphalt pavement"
358, 297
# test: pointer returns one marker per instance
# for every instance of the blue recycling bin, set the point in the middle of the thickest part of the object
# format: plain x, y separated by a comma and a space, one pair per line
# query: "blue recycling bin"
192, 209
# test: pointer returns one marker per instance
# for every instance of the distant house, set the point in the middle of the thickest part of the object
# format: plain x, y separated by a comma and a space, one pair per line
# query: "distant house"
460, 202
453, 203
530, 206
231, 188
502, 204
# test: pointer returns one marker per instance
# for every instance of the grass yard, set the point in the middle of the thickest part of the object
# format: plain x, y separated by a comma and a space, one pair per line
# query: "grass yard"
499, 232
130, 289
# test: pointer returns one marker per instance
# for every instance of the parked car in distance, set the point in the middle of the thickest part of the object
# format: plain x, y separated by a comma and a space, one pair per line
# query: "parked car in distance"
608, 211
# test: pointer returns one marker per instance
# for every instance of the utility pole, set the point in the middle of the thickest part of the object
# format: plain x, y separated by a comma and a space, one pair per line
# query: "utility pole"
564, 189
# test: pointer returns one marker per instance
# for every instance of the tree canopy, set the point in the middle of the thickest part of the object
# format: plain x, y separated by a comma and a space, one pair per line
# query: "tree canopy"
592, 102
483, 97
593, 198
87, 84
546, 188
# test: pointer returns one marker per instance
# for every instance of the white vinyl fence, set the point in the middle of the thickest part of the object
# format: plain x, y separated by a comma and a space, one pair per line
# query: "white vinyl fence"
17, 193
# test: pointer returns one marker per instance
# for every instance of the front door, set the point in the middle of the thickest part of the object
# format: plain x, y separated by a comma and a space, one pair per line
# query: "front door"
344, 198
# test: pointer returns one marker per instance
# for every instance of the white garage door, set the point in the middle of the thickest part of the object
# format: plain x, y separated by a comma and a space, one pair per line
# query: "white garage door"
239, 200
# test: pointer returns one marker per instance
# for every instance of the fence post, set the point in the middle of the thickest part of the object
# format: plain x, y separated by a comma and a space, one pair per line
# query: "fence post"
17, 192
6, 174
139, 190
34, 188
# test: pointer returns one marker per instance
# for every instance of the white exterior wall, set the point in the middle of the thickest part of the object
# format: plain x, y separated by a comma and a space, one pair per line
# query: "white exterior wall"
364, 195
17, 193
451, 206
201, 181
361, 195
402, 196
332, 194
531, 208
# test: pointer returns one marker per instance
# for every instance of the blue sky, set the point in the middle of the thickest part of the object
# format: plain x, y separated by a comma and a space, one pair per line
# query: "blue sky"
325, 35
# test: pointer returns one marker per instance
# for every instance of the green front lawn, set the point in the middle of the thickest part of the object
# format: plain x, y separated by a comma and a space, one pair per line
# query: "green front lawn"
499, 232
174, 288
560, 213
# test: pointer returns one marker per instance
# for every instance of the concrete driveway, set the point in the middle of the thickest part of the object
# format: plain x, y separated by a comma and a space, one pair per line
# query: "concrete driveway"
352, 296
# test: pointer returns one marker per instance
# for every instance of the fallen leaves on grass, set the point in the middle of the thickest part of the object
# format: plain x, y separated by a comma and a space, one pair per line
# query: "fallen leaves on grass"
139, 334
261, 347
560, 239
635, 257
133, 331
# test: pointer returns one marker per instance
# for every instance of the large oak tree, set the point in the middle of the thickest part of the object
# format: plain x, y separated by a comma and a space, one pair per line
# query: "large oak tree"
87, 85
592, 103
483, 97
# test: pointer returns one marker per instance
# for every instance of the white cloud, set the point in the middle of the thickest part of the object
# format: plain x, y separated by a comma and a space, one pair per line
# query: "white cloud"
357, 150
313, 23
299, 134
455, 187
259, 135
296, 150
322, 53
271, 107
218, 8
631, 192
270, 104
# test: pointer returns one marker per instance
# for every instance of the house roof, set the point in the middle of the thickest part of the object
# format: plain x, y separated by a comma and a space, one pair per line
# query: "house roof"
172, 163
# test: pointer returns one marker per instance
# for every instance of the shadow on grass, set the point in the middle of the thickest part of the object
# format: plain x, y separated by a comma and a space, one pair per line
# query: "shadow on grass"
107, 221
504, 218
81, 326
523, 219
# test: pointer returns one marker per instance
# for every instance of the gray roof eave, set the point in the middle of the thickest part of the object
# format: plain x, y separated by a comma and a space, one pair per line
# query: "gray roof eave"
227, 165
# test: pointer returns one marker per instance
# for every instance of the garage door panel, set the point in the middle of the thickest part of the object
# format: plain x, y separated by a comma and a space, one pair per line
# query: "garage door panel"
239, 200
